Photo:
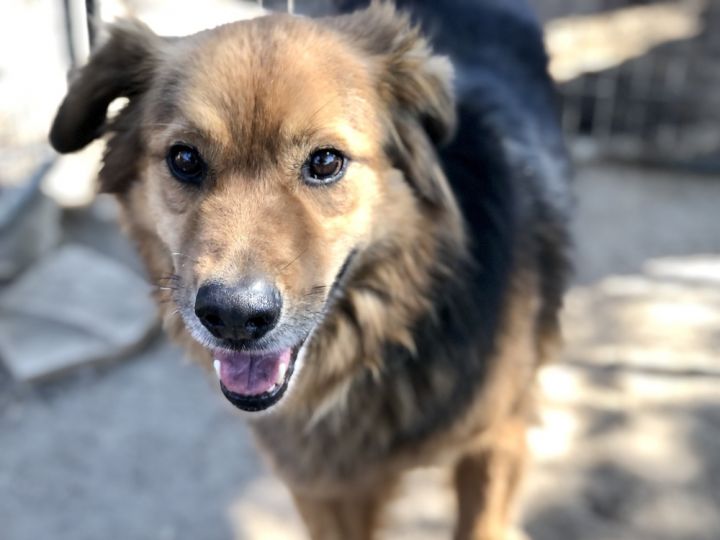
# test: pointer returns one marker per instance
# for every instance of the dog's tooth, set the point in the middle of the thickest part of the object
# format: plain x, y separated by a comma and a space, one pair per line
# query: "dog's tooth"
216, 365
281, 373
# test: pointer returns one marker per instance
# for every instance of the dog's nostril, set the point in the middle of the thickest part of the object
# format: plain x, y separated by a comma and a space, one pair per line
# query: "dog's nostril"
213, 320
254, 324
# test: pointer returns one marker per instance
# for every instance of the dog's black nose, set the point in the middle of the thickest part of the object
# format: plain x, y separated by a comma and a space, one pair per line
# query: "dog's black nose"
248, 310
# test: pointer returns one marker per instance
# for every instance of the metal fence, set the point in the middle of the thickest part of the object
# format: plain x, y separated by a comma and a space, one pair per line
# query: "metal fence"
639, 80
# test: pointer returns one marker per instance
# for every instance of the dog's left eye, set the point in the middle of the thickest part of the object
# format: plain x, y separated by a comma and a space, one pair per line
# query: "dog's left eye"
186, 164
324, 166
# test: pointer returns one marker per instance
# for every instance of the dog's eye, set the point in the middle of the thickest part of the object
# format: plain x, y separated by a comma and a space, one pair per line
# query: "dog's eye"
324, 166
186, 164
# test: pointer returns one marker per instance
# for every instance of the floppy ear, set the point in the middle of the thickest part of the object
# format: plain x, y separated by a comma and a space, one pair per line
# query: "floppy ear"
416, 85
121, 67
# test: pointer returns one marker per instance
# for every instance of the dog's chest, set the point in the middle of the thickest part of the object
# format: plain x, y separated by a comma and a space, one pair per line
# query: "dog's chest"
380, 430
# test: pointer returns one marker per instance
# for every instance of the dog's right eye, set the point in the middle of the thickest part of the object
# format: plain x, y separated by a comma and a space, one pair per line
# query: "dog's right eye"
186, 164
324, 166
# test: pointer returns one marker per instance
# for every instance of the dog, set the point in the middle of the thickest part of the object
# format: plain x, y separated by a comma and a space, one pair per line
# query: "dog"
363, 232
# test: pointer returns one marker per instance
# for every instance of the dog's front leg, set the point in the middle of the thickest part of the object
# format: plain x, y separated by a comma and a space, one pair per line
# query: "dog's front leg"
350, 517
486, 482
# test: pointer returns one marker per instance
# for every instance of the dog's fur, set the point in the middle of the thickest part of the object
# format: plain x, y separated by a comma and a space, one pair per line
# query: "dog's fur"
429, 278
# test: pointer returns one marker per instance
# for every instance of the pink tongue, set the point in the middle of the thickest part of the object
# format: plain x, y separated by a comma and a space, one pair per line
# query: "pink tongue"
250, 374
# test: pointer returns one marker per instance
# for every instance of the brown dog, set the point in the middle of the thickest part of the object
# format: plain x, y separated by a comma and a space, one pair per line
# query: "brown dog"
282, 180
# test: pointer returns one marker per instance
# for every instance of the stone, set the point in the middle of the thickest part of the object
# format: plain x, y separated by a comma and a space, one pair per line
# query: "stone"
29, 225
73, 308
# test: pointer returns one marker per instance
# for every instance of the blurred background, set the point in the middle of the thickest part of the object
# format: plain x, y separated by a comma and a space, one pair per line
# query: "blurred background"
107, 432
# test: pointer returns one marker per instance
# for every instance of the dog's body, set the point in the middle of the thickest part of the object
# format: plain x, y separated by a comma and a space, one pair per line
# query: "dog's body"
401, 315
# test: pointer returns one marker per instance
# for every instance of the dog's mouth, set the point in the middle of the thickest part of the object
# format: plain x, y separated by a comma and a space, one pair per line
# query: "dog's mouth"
255, 381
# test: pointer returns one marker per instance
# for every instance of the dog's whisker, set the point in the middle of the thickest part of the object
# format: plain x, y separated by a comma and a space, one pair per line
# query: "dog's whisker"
323, 106
319, 288
315, 291
294, 260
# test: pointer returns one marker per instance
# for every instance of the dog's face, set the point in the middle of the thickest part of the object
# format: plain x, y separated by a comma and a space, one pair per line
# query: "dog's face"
261, 159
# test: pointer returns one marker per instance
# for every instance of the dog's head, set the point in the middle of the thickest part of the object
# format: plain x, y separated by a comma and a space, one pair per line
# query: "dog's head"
258, 162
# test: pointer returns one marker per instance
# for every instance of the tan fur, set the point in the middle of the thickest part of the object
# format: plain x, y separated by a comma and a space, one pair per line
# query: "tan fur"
256, 98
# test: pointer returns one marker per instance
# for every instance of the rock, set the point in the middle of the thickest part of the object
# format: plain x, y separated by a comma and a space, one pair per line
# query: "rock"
29, 225
73, 308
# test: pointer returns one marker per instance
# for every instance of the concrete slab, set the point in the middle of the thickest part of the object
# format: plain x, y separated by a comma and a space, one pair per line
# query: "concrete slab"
74, 307
32, 232
29, 221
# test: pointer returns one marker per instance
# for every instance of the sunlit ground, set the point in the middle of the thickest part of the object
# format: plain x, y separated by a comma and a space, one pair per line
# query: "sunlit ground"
629, 426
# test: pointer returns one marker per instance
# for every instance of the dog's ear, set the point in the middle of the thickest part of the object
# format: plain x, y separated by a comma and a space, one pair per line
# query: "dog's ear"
417, 87
122, 67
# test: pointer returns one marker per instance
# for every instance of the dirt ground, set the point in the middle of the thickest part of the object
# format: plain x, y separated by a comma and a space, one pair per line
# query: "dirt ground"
627, 445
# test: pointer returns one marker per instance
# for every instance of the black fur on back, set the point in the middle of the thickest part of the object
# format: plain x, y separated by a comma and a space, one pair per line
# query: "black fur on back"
508, 169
